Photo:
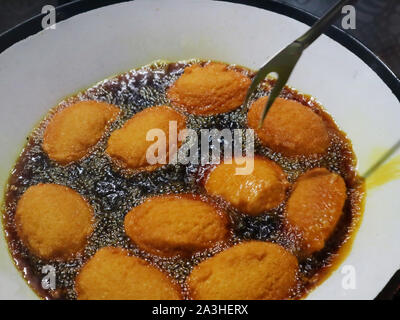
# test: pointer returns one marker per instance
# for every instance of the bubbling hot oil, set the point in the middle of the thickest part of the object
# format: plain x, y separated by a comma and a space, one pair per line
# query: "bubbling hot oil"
113, 192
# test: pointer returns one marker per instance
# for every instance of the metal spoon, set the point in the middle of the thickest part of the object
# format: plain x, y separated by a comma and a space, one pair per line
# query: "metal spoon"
283, 63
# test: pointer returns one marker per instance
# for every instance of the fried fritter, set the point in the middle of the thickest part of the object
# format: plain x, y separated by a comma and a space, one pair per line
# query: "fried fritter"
113, 275
263, 189
72, 131
53, 221
171, 225
289, 128
251, 270
315, 207
210, 89
128, 145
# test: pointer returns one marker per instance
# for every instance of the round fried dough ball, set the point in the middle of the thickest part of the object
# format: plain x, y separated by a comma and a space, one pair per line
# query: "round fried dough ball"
262, 189
128, 145
252, 270
113, 275
289, 128
209, 89
172, 225
53, 221
315, 207
72, 131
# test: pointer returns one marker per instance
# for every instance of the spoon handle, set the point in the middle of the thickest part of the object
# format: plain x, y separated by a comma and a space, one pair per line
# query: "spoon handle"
316, 30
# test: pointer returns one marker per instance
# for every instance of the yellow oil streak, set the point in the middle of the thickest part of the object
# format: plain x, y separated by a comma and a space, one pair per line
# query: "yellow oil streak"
389, 171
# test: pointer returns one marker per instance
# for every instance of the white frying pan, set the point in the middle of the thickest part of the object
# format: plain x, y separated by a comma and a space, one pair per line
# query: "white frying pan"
39, 71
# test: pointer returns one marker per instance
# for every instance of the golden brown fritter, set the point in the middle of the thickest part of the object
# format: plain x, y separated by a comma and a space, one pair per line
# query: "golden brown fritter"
289, 128
53, 221
113, 275
128, 145
210, 89
315, 207
72, 131
263, 189
176, 225
251, 270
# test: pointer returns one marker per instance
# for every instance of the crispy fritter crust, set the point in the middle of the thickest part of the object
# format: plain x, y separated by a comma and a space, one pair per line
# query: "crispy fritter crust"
113, 275
209, 89
172, 225
251, 270
53, 221
253, 193
315, 207
72, 131
289, 128
128, 145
